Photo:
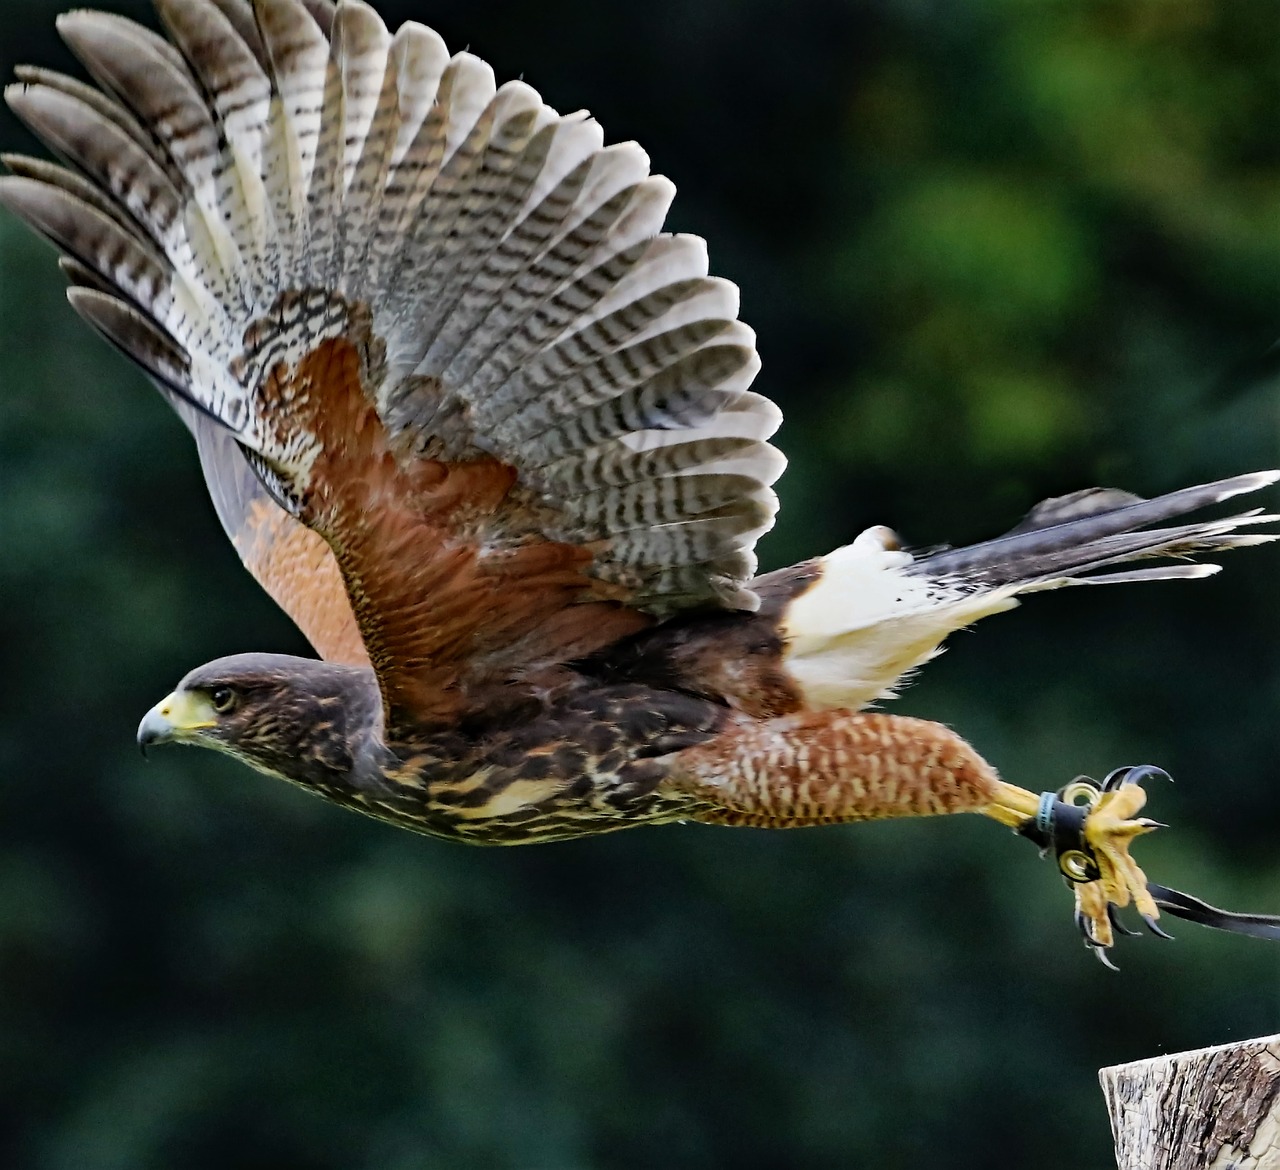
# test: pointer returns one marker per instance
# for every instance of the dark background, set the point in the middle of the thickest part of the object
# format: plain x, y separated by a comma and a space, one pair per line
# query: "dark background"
994, 251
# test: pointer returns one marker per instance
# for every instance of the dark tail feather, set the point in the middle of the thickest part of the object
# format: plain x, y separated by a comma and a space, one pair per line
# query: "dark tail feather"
1067, 536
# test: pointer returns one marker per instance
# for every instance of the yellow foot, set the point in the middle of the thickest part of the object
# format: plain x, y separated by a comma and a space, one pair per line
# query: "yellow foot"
1090, 829
1110, 826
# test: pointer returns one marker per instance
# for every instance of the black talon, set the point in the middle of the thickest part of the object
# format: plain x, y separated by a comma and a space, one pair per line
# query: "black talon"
1156, 928
1133, 774
1084, 927
1118, 926
1104, 958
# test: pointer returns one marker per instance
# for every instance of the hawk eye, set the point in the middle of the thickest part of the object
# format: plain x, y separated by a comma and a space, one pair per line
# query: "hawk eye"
223, 699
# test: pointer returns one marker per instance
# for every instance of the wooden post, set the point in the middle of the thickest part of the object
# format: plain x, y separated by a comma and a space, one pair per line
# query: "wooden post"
1214, 1109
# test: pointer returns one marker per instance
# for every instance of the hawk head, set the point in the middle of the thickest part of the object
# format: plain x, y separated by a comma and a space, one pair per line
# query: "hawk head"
293, 717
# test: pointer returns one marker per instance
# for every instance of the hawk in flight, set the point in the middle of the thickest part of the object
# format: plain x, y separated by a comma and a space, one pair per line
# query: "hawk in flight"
486, 433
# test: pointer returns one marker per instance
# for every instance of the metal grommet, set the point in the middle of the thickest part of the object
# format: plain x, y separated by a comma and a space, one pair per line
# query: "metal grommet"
1077, 866
1081, 792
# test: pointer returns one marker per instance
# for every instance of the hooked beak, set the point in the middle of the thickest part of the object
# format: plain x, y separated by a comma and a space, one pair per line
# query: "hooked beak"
175, 718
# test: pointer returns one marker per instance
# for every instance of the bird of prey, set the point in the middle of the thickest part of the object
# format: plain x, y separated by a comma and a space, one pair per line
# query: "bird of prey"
486, 433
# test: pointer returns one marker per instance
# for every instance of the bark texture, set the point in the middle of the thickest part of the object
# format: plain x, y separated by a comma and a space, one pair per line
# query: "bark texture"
1213, 1109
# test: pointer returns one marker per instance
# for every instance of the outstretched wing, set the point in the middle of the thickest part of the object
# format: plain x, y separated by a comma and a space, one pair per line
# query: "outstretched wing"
438, 321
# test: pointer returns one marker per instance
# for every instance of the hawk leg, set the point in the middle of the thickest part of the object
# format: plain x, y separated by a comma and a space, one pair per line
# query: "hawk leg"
835, 766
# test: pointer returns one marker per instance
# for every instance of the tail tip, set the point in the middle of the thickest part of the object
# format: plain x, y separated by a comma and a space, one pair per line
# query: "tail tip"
1253, 481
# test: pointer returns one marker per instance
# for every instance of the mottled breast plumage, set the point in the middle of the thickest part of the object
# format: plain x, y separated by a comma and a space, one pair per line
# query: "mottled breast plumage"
585, 758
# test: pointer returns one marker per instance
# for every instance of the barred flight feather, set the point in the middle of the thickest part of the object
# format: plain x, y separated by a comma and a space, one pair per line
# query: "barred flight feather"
78, 276
105, 152
109, 111
239, 13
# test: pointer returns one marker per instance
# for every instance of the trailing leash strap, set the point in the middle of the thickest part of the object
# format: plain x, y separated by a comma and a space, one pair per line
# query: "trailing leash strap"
1182, 905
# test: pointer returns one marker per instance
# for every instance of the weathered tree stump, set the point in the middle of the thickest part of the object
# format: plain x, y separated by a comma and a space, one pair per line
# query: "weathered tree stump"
1213, 1109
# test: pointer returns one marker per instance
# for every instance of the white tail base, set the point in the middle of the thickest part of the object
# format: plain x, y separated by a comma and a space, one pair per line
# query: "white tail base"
866, 623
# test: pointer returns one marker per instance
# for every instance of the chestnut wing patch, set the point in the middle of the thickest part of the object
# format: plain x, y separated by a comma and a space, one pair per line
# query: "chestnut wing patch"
452, 583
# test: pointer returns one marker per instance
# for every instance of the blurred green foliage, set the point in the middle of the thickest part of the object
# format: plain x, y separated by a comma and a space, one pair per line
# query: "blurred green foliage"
994, 250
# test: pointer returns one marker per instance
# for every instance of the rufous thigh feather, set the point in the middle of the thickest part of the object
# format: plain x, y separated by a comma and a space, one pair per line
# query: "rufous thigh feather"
825, 767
